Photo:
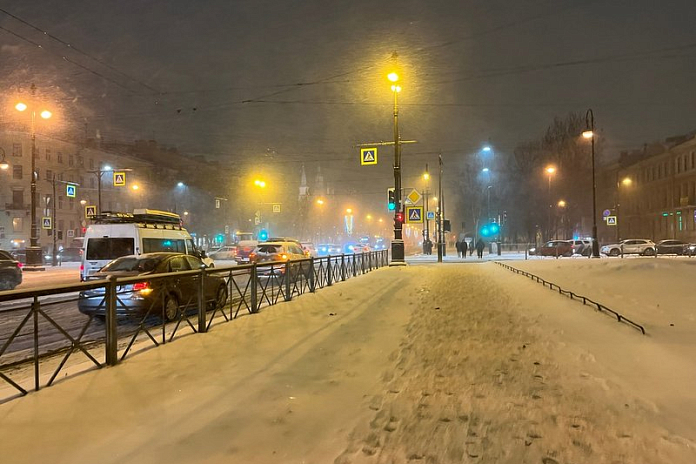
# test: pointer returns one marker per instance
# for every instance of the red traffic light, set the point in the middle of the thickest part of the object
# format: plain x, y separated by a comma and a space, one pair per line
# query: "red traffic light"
399, 217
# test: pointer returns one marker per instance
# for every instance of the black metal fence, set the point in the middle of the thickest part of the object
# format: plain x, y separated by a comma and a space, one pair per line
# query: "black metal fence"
41, 329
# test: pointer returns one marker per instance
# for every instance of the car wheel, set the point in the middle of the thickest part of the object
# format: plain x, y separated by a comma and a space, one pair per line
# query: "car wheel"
221, 297
614, 252
649, 252
171, 308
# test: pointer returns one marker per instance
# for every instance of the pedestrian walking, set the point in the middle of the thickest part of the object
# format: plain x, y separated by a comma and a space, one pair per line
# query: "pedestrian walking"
458, 245
464, 249
480, 246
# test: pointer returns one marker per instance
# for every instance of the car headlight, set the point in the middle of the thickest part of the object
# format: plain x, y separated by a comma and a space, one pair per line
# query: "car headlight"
532, 250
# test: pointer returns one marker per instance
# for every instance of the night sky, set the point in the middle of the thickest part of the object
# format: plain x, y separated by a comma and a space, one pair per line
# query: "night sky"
291, 81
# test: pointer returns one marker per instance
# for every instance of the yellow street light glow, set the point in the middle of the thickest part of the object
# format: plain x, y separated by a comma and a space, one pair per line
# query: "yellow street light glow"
369, 216
396, 88
320, 202
426, 176
393, 77
135, 187
349, 211
588, 134
20, 106
562, 204
627, 181
381, 220
260, 183
46, 114
434, 198
550, 170
83, 202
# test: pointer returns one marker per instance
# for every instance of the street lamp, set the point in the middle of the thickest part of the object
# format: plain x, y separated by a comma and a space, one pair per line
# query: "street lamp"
625, 182
589, 134
550, 170
426, 232
397, 245
34, 254
561, 206
260, 183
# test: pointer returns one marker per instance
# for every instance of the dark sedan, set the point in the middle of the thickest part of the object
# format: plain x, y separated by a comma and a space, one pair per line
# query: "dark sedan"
10, 271
671, 247
165, 297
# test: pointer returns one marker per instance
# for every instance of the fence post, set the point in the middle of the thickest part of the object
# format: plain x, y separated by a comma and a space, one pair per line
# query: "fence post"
343, 267
354, 272
288, 276
362, 263
35, 305
254, 290
312, 287
110, 320
328, 271
201, 301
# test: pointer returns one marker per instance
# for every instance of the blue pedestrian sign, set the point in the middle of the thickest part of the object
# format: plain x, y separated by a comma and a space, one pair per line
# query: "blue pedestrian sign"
414, 214
430, 215
368, 156
71, 190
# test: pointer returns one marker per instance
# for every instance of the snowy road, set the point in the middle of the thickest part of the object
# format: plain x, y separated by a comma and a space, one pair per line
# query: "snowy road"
439, 364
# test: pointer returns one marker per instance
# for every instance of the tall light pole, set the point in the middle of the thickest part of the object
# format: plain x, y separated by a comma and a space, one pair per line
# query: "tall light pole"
397, 245
34, 253
426, 191
627, 181
440, 214
589, 134
550, 170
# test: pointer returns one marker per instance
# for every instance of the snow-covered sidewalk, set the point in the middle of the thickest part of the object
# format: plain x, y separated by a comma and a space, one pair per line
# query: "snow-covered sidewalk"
427, 363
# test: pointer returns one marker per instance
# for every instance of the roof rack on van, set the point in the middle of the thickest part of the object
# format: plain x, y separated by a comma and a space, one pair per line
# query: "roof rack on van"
147, 216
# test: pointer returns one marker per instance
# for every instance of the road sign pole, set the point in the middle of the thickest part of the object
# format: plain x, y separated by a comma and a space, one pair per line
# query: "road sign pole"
397, 245
54, 255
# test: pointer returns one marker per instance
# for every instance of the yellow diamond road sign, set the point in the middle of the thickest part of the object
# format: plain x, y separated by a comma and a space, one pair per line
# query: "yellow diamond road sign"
414, 197
414, 214
368, 156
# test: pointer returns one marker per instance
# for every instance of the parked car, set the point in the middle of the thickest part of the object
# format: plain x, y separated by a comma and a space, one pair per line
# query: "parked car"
671, 247
153, 296
10, 271
327, 249
640, 246
277, 252
555, 248
582, 247
226, 252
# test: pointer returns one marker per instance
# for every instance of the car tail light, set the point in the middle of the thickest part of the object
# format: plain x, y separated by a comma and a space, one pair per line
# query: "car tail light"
252, 256
20, 265
142, 287
82, 267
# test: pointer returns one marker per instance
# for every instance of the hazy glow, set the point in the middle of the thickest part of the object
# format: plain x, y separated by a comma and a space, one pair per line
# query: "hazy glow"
260, 183
550, 170
393, 77
20, 106
485, 170
320, 201
46, 114
396, 88
426, 176
562, 203
106, 168
487, 149
627, 181
588, 134
349, 210
180, 184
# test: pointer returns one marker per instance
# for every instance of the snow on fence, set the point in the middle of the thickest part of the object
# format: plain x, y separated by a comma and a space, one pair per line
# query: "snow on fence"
574, 296
40, 329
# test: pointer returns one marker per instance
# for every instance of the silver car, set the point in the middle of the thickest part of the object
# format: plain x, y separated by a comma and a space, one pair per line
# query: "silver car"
634, 246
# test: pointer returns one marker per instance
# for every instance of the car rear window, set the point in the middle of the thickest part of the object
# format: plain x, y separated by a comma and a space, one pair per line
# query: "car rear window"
132, 263
109, 248
270, 249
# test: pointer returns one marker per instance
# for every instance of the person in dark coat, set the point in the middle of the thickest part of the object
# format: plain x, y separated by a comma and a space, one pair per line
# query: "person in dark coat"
464, 248
480, 246
458, 245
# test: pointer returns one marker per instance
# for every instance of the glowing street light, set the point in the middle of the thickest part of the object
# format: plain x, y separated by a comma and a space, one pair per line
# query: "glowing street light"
180, 184
393, 77
349, 210
627, 181
550, 170
320, 202
589, 134
561, 204
485, 170
4, 165
260, 183
487, 149
135, 187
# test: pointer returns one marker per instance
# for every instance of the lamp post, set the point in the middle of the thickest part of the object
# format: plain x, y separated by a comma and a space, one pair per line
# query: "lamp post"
397, 245
320, 204
440, 214
626, 181
34, 254
561, 206
589, 134
550, 170
99, 173
426, 191
4, 165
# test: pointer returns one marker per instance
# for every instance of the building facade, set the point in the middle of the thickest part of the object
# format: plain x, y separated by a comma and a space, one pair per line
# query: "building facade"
651, 193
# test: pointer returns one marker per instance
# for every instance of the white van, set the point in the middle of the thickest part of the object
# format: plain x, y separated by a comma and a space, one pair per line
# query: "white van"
113, 235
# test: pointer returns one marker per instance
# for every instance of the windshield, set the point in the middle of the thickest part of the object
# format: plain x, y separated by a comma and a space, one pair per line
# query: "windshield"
132, 263
270, 249
109, 248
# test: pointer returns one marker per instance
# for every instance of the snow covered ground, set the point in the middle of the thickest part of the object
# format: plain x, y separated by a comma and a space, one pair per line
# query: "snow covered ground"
425, 363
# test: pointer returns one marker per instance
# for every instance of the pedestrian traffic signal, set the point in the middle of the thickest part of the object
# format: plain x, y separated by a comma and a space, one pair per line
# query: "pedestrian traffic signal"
263, 235
391, 199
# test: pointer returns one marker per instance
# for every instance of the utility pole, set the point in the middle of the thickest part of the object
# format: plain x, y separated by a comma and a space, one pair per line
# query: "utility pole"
426, 232
440, 214
397, 246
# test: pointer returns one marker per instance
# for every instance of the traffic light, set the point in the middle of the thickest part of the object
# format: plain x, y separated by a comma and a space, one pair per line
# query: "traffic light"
399, 218
447, 225
391, 199
489, 230
263, 235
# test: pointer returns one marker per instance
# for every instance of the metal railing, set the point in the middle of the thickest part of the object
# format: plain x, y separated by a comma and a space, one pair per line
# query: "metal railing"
105, 321
574, 296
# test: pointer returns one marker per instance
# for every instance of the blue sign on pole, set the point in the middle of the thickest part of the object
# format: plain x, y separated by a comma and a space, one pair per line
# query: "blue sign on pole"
70, 191
430, 215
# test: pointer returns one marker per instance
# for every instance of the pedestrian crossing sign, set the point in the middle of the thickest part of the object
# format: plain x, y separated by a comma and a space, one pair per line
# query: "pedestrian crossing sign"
71, 190
46, 223
90, 211
611, 220
430, 215
414, 214
119, 179
368, 156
